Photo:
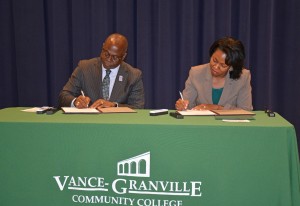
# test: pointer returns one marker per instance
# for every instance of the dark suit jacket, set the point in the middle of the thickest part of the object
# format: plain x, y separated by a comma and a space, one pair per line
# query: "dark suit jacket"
236, 93
128, 89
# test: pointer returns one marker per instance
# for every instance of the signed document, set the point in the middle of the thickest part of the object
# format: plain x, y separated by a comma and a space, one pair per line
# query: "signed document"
74, 110
196, 113
220, 114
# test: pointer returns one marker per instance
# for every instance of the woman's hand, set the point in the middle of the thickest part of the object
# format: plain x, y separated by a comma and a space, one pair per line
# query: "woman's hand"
181, 104
208, 107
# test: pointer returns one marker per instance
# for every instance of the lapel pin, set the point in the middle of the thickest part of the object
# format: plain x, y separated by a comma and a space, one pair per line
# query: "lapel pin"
120, 78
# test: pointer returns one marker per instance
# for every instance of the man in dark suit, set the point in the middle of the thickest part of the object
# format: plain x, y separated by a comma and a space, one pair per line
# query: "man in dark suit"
106, 81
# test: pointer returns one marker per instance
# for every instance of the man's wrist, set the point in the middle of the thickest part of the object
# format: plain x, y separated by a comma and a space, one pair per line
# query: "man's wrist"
73, 102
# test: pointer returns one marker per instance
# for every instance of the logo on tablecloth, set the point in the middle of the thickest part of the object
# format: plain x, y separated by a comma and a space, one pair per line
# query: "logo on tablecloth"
114, 191
138, 166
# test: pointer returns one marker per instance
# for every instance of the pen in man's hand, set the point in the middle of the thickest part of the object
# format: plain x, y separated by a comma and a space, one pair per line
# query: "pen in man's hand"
84, 96
82, 93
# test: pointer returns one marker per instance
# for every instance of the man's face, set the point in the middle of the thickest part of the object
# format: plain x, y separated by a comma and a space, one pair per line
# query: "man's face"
112, 54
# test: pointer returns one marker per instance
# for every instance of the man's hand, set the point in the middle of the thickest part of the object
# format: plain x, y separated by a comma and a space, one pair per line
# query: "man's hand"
181, 104
103, 103
82, 102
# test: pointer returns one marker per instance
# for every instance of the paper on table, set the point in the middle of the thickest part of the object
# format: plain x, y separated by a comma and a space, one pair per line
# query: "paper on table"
117, 110
232, 112
197, 113
235, 120
34, 109
238, 114
74, 110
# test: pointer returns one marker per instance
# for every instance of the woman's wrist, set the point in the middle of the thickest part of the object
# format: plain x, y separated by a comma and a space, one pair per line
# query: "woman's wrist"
219, 107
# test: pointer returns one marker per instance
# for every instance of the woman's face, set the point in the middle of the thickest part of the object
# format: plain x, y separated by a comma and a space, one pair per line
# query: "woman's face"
218, 68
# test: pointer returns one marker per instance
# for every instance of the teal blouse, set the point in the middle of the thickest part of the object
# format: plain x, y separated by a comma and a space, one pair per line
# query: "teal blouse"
216, 95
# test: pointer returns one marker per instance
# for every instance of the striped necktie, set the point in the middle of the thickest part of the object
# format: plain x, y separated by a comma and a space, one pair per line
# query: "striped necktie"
105, 85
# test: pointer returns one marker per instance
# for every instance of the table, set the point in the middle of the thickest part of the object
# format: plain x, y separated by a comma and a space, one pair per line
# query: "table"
137, 159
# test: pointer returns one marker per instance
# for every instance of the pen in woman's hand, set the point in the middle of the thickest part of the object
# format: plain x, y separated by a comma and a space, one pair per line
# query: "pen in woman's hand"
183, 102
181, 96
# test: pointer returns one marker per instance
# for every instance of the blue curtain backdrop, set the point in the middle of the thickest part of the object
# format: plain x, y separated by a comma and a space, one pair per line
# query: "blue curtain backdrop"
41, 42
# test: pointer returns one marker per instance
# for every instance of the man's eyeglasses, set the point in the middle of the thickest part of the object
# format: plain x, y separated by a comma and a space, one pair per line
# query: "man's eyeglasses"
107, 55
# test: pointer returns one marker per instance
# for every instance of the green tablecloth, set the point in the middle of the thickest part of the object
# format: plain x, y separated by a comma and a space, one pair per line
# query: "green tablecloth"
73, 160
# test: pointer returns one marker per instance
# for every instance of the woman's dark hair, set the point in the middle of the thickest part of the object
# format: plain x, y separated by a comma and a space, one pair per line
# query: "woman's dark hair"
235, 54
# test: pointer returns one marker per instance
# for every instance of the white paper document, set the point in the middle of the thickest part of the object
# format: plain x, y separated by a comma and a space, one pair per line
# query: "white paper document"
74, 110
197, 113
235, 120
35, 109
